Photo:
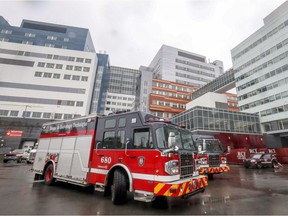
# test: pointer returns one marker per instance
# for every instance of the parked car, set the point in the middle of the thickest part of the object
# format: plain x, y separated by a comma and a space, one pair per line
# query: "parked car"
17, 155
260, 160
31, 156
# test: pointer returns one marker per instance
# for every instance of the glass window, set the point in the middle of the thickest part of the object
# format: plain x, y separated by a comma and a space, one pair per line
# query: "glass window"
108, 140
86, 69
74, 77
36, 114
88, 60
70, 103
56, 76
47, 115
38, 74
69, 67
120, 140
68, 116
79, 59
67, 76
4, 112
41, 64
79, 103
58, 116
84, 78
141, 138
48, 75
122, 122
59, 66
110, 123
14, 113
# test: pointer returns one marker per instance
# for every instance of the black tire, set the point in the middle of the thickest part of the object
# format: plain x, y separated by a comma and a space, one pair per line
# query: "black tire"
246, 166
5, 161
48, 175
274, 163
259, 166
119, 188
19, 160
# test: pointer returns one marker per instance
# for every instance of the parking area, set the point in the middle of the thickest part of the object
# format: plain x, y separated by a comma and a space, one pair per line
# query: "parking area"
240, 192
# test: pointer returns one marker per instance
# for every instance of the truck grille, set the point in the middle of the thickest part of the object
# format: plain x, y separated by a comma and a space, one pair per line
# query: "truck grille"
214, 160
186, 165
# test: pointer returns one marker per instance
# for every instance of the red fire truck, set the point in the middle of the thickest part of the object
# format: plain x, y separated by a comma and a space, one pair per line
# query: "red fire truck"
212, 159
128, 152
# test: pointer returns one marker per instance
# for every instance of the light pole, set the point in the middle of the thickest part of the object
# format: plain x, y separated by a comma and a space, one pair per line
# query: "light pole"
24, 113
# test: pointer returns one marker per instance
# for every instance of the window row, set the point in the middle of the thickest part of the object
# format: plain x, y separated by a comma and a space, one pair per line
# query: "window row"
197, 72
263, 66
60, 66
116, 109
192, 77
171, 94
120, 98
58, 76
266, 100
264, 89
44, 115
274, 110
46, 56
173, 87
118, 103
194, 65
259, 41
168, 104
276, 125
263, 55
272, 73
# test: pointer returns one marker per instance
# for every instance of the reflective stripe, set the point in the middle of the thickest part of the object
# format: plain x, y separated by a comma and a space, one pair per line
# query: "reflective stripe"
142, 176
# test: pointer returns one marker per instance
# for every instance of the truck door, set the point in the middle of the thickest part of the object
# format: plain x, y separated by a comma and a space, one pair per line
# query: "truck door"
141, 157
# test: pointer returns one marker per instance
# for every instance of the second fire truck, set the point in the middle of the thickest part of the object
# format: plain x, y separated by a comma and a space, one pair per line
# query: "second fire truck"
212, 159
129, 152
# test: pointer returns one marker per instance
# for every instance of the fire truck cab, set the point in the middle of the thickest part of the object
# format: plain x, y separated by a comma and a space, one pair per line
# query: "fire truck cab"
128, 152
212, 158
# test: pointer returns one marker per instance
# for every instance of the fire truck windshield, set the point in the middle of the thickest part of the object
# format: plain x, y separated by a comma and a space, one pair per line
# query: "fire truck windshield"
213, 146
183, 138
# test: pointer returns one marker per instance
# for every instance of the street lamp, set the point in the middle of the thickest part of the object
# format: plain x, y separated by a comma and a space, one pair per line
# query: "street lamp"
24, 113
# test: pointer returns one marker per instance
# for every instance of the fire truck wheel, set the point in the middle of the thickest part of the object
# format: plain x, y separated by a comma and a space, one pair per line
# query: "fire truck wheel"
119, 190
48, 176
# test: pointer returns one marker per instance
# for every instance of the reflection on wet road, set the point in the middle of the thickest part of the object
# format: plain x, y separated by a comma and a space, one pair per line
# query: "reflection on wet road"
240, 192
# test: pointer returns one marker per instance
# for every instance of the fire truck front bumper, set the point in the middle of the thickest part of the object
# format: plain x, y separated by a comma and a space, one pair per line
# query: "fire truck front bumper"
182, 188
214, 170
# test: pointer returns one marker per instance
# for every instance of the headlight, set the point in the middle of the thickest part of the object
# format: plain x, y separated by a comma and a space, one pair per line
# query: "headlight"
253, 160
224, 160
172, 167
203, 161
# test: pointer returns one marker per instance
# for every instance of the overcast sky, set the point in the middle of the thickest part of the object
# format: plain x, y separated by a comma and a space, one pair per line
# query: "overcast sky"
132, 31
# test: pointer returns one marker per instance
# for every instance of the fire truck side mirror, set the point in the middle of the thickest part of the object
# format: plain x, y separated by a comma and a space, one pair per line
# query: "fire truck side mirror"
171, 140
204, 145
199, 148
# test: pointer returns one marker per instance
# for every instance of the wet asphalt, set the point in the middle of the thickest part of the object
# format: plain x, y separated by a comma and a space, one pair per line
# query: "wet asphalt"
240, 192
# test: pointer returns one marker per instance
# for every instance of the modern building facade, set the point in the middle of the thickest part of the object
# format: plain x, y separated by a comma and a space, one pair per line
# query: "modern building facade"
100, 84
261, 74
47, 34
169, 98
47, 72
176, 65
121, 90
